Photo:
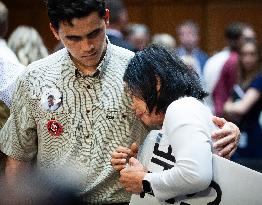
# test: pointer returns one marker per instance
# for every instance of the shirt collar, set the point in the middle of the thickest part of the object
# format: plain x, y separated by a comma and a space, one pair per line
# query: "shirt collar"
183, 51
100, 68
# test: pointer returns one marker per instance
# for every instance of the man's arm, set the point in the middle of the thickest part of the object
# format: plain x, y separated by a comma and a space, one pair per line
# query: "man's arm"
13, 182
226, 138
14, 169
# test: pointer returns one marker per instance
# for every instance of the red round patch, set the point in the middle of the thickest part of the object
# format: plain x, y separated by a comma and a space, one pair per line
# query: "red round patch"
54, 128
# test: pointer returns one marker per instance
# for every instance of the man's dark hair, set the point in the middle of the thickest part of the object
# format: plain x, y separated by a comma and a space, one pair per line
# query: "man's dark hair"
3, 20
66, 10
234, 30
233, 34
50, 96
176, 79
115, 7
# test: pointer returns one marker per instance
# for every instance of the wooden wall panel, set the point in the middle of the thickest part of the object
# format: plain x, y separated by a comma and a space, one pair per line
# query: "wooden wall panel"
32, 13
222, 13
213, 16
167, 18
160, 15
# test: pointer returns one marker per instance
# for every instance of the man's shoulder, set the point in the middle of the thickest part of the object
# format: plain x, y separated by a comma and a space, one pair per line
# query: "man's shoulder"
119, 59
121, 53
49, 61
201, 53
220, 55
45, 66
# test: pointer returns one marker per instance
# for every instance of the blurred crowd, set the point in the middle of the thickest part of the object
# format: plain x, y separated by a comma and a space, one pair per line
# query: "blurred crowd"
231, 76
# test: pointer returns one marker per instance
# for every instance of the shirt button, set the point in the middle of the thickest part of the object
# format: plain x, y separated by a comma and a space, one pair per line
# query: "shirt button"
110, 117
88, 87
87, 111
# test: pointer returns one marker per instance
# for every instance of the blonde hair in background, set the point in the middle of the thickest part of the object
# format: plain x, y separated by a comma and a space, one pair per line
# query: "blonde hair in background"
164, 39
27, 44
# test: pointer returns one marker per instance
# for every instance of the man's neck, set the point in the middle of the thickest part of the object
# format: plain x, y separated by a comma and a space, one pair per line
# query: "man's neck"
88, 70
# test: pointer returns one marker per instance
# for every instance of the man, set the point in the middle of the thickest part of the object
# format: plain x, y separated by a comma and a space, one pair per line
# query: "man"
118, 23
188, 36
94, 117
5, 51
139, 36
215, 63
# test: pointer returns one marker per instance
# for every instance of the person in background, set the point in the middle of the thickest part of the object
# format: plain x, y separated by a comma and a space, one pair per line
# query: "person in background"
228, 75
188, 36
58, 47
27, 44
38, 188
164, 39
118, 24
138, 36
9, 72
5, 51
215, 63
10, 69
246, 101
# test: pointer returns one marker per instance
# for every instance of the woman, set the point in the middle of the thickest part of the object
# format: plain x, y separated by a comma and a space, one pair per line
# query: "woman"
27, 44
166, 92
246, 101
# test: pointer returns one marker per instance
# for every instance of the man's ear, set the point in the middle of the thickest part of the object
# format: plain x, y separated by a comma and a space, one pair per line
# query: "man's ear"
106, 17
54, 31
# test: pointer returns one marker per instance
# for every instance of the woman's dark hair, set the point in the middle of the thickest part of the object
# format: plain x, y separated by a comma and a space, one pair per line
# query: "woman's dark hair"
66, 10
245, 77
156, 63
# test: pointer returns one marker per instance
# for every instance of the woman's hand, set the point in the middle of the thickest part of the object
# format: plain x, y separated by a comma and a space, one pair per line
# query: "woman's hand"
226, 138
131, 177
121, 155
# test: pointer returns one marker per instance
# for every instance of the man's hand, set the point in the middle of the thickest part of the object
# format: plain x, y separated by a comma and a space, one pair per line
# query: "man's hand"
131, 177
121, 155
226, 138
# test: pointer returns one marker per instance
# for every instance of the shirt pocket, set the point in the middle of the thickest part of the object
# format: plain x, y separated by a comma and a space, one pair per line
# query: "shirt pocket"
116, 124
53, 133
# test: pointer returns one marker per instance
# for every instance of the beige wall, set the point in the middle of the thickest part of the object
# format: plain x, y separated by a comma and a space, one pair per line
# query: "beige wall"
160, 15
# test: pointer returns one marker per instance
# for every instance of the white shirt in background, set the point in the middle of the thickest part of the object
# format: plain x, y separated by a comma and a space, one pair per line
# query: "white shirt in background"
7, 53
211, 73
9, 72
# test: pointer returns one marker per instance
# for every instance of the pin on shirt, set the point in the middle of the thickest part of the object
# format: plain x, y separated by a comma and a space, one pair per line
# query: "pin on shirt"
54, 128
51, 99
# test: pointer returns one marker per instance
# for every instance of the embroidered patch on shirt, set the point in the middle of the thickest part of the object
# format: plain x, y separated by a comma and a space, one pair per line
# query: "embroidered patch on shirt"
54, 128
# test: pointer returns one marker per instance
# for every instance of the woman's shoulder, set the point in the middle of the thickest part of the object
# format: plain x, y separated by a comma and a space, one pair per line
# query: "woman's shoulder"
186, 104
257, 82
188, 110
